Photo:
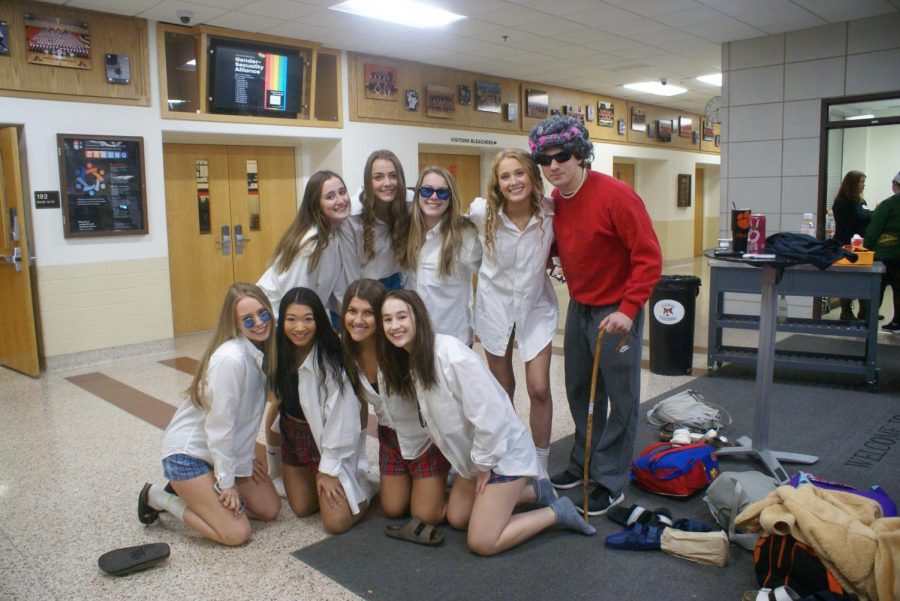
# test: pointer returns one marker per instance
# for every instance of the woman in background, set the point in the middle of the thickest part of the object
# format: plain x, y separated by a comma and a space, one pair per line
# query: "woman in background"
320, 416
851, 218
209, 446
379, 223
418, 484
442, 254
470, 419
514, 300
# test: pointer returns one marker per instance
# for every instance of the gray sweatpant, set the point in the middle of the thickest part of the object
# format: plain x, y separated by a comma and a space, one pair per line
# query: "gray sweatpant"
618, 389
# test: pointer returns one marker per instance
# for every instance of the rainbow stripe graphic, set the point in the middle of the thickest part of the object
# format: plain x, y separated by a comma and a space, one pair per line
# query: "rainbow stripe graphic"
276, 82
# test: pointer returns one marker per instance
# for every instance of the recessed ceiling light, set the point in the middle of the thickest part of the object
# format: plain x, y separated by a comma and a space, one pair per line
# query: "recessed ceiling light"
855, 117
714, 79
656, 87
404, 12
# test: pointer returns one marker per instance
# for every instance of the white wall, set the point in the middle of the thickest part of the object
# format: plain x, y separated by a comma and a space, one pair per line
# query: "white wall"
772, 91
102, 292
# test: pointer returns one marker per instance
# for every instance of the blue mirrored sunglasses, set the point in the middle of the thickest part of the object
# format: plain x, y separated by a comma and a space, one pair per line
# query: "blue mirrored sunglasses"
428, 192
250, 321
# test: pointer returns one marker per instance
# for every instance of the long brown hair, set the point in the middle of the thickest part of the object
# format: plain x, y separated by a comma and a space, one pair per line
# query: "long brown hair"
850, 186
308, 216
371, 291
398, 216
495, 199
226, 329
452, 225
401, 367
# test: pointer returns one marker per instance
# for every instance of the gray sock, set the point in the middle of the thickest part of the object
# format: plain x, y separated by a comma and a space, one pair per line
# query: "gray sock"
544, 491
568, 517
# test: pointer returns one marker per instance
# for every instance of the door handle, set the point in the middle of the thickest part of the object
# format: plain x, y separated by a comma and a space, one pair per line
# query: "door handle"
15, 258
225, 243
239, 239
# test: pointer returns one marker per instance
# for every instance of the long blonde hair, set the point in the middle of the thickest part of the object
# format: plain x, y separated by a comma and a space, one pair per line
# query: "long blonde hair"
452, 225
495, 199
227, 329
398, 216
308, 216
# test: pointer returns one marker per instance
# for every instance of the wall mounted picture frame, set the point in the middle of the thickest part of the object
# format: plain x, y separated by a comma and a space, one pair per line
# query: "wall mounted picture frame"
708, 131
652, 129
606, 114
412, 100
620, 126
665, 130
464, 94
4, 38
381, 82
440, 101
718, 139
555, 112
537, 103
589, 113
638, 119
695, 137
685, 127
574, 111
57, 42
684, 190
487, 96
104, 186
118, 69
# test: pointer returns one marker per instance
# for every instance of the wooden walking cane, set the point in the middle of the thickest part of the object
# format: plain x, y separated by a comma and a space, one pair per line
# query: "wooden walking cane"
621, 346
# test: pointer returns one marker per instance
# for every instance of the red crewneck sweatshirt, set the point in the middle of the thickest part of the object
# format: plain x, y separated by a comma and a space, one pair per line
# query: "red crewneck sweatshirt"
606, 244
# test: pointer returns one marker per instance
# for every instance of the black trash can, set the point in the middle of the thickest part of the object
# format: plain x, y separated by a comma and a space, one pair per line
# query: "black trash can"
672, 310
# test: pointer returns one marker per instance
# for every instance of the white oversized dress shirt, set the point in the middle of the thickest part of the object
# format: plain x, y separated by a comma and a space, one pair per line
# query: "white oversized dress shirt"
328, 280
469, 417
224, 435
383, 264
400, 416
449, 299
514, 289
333, 418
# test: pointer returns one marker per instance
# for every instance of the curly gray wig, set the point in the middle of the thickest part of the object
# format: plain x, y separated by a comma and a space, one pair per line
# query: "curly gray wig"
561, 131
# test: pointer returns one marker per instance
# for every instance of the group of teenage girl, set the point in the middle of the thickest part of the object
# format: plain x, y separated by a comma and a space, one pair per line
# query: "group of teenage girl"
368, 302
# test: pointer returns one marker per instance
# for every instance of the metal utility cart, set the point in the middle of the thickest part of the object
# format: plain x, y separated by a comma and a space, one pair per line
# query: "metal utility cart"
797, 280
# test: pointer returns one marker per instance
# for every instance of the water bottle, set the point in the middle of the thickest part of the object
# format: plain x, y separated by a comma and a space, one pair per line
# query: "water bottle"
808, 226
829, 225
782, 308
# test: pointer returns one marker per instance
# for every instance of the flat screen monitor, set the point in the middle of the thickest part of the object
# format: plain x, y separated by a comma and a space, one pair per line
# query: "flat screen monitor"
247, 78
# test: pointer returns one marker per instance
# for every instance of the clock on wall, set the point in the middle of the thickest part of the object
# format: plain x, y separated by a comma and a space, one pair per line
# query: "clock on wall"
711, 110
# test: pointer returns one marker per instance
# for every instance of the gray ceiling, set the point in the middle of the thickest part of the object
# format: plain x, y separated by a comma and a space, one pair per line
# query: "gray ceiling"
583, 44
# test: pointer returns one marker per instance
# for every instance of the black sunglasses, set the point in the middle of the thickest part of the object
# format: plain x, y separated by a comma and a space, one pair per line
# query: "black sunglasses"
428, 192
544, 160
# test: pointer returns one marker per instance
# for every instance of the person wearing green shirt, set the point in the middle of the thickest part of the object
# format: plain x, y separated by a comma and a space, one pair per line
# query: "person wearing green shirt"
883, 236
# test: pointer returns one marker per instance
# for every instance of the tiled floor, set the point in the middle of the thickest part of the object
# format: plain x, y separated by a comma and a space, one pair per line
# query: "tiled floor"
72, 463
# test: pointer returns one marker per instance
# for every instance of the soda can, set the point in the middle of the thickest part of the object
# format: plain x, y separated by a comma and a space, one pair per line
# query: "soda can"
756, 239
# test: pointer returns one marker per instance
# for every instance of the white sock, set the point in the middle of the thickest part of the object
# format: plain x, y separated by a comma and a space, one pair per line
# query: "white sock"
543, 460
273, 458
160, 500
175, 505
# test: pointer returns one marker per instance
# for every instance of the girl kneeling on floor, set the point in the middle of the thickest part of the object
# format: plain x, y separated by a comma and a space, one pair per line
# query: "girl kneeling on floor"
320, 416
469, 418
209, 446
417, 485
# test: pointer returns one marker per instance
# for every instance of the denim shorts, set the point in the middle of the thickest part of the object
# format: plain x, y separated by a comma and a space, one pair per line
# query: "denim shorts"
499, 478
184, 467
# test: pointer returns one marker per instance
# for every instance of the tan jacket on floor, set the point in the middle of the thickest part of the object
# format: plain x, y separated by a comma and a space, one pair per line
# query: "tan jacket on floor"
861, 548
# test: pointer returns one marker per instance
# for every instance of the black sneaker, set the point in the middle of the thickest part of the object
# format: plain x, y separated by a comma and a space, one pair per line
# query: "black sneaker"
892, 327
565, 480
600, 501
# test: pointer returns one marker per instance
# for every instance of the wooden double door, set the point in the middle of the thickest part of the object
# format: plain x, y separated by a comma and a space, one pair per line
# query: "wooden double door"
465, 169
226, 209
